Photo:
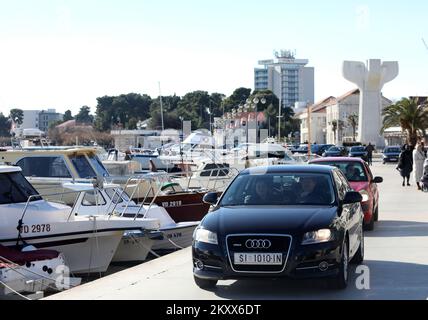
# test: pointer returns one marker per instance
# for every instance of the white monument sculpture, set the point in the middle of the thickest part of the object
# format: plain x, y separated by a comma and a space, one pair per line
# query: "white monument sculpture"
370, 80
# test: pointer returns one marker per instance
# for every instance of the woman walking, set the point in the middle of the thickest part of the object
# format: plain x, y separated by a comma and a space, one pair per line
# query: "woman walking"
418, 163
405, 164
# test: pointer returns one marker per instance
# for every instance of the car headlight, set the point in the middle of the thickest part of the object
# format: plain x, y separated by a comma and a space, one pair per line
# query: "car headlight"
365, 195
320, 236
206, 236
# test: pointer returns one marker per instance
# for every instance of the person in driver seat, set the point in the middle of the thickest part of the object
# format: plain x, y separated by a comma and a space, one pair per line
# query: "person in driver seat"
352, 173
310, 191
260, 193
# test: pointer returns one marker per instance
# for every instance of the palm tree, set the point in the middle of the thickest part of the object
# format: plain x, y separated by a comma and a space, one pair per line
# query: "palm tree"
353, 122
408, 114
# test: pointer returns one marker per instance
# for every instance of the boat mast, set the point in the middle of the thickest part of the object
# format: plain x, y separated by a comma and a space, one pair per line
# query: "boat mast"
161, 105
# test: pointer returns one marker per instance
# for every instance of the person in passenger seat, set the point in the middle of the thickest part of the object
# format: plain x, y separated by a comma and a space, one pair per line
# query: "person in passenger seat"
311, 193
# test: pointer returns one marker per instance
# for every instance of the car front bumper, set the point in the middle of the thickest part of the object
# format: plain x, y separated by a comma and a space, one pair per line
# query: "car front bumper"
310, 261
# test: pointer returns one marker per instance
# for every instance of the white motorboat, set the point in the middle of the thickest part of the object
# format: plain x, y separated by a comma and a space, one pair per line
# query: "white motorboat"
88, 243
31, 270
111, 200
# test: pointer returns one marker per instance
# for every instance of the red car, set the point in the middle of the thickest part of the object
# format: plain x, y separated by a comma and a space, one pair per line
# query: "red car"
361, 179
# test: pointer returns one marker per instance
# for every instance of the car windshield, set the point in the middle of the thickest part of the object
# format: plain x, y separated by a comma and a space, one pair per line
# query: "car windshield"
354, 171
358, 149
334, 149
393, 150
281, 189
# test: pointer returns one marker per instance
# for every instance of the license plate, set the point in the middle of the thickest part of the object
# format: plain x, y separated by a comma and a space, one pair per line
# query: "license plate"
264, 259
394, 159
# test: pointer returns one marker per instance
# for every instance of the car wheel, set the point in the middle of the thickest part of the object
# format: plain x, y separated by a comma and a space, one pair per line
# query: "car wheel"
359, 255
204, 283
341, 280
376, 214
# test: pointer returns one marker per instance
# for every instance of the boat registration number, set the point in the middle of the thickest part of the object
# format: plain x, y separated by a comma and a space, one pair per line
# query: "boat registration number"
171, 204
267, 259
36, 228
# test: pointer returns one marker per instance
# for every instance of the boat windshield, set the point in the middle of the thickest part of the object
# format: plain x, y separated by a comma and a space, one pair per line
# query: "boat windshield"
82, 166
98, 165
14, 188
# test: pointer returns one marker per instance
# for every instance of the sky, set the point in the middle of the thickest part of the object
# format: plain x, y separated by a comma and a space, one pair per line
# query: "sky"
64, 54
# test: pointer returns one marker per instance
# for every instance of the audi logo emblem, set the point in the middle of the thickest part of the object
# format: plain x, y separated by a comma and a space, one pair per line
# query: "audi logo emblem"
258, 244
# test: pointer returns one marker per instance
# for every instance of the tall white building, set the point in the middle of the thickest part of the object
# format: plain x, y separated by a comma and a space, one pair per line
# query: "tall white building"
287, 77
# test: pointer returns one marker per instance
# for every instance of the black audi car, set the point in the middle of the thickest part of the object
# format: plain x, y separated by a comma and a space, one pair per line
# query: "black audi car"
280, 221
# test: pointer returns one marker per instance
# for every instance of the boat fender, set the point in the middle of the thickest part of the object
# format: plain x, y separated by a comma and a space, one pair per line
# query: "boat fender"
29, 248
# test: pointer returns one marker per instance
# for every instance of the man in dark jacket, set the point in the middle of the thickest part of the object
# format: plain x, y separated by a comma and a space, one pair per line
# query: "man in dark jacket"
370, 148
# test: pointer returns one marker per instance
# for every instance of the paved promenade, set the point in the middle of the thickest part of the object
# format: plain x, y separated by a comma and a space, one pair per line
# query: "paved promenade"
396, 256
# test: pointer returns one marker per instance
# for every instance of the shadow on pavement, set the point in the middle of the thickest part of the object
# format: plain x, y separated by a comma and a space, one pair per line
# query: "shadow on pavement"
388, 280
398, 229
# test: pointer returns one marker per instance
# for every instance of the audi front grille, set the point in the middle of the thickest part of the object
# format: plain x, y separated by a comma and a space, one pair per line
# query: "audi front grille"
258, 243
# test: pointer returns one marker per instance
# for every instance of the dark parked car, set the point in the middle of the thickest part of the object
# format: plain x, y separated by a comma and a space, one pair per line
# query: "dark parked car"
336, 152
391, 154
358, 152
315, 149
319, 149
280, 221
303, 148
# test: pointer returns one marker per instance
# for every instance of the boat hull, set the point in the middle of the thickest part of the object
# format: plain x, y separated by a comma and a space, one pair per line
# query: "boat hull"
84, 252
133, 247
175, 238
183, 207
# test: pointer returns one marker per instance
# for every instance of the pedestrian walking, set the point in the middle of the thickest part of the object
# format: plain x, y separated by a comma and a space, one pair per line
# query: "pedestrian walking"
418, 163
405, 164
369, 149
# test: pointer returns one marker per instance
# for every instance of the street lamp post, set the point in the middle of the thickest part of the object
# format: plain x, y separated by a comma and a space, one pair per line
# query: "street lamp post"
253, 104
181, 138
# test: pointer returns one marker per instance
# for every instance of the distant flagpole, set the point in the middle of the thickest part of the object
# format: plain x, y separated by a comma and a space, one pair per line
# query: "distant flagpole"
161, 105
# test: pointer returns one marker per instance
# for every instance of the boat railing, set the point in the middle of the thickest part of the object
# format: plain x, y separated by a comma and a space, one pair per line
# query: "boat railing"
205, 179
44, 196
79, 200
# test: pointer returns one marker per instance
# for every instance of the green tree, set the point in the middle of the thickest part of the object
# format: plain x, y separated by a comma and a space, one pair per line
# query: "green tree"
238, 97
353, 123
67, 116
193, 106
410, 115
84, 115
170, 116
112, 110
4, 126
17, 115
132, 124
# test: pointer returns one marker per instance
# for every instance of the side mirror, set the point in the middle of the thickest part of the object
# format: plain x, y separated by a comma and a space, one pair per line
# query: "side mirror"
352, 197
378, 180
210, 198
